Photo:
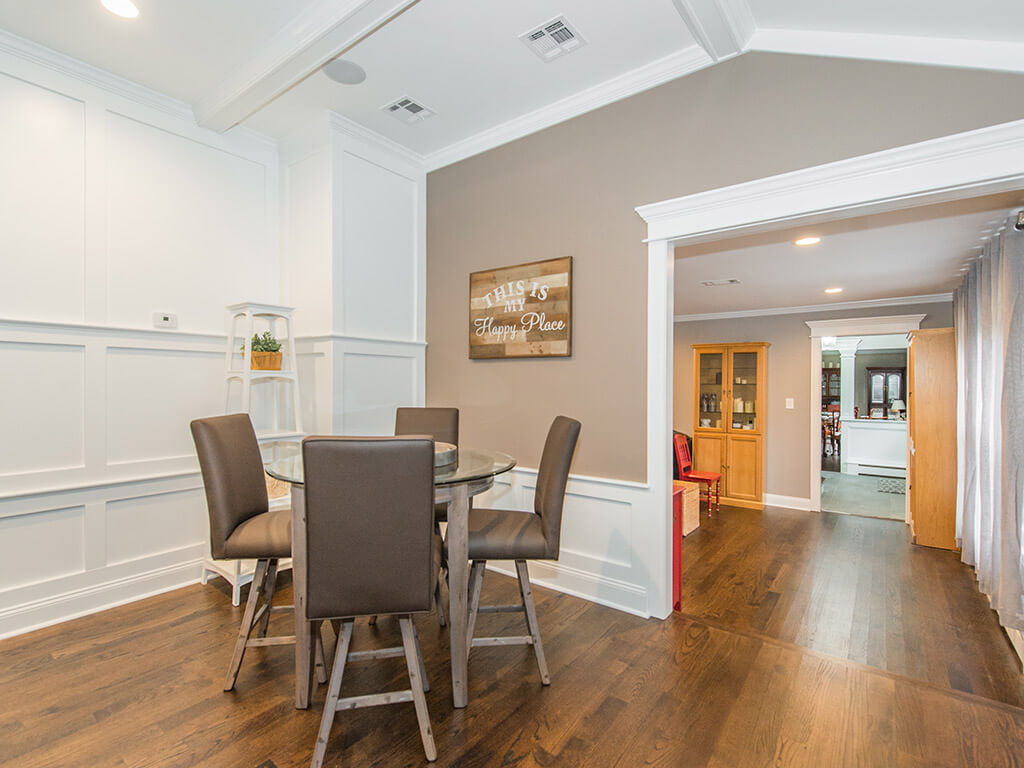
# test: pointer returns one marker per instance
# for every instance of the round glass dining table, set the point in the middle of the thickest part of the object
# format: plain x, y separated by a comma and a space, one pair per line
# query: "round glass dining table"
472, 473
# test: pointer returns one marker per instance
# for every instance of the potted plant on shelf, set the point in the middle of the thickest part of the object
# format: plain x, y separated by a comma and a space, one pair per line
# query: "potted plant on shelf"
266, 352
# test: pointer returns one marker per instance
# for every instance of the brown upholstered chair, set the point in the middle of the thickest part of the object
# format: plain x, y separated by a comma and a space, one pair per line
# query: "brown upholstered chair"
443, 425
371, 549
242, 526
520, 536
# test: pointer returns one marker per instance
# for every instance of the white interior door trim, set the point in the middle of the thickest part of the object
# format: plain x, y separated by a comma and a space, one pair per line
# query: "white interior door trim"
979, 162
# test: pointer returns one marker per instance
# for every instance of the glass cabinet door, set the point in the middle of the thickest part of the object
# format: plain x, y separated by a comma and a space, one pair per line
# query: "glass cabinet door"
712, 389
743, 407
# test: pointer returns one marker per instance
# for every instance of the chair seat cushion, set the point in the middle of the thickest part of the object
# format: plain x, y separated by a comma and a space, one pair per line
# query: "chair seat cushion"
497, 534
268, 534
707, 477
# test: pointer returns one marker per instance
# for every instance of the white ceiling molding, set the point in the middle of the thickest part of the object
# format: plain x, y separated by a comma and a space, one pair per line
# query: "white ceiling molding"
910, 49
320, 32
841, 306
865, 326
351, 128
722, 27
640, 79
39, 55
982, 161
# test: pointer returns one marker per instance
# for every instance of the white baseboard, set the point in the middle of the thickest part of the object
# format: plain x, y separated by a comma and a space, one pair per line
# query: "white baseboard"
788, 502
72, 604
584, 584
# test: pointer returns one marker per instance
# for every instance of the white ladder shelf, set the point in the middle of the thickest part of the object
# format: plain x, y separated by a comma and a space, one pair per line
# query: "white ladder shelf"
257, 316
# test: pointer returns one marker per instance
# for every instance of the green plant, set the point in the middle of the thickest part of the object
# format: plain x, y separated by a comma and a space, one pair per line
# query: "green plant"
265, 343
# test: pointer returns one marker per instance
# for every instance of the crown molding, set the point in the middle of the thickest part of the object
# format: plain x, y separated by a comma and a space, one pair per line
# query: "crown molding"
981, 161
318, 33
641, 79
721, 27
910, 49
359, 132
39, 55
899, 301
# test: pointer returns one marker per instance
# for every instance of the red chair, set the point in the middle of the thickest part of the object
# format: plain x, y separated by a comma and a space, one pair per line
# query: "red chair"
686, 472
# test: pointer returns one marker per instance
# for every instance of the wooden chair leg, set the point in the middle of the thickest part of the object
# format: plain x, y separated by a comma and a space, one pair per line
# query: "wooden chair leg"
255, 590
268, 598
442, 616
419, 655
333, 690
531, 620
321, 663
476, 583
422, 715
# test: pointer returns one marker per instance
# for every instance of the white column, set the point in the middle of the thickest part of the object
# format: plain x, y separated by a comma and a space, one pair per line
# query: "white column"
658, 544
847, 371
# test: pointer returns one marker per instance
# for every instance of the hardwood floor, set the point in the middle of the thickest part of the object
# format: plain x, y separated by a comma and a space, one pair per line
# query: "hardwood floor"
729, 685
850, 587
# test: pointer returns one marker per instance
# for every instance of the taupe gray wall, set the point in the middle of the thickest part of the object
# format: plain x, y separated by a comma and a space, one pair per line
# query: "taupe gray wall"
787, 445
571, 190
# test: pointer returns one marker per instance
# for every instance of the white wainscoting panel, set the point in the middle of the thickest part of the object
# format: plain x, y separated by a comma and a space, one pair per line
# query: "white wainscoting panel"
377, 209
153, 394
42, 201
600, 560
60, 533
372, 385
42, 406
184, 220
143, 526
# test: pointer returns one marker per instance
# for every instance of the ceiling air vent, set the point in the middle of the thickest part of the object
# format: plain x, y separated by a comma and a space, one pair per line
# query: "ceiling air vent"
554, 39
720, 281
408, 111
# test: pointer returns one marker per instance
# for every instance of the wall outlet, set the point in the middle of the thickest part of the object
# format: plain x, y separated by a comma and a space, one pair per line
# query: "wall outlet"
790, 403
165, 320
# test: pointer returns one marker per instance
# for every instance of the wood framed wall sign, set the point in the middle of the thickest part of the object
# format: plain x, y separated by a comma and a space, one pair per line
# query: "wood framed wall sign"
521, 311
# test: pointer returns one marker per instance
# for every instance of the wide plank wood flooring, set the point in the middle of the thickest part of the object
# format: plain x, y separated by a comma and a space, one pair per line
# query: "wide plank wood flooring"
743, 679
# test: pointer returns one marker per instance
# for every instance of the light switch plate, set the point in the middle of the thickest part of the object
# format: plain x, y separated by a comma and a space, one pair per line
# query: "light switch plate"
165, 320
790, 403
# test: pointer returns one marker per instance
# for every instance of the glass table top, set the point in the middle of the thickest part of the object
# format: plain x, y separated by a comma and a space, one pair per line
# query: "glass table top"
473, 464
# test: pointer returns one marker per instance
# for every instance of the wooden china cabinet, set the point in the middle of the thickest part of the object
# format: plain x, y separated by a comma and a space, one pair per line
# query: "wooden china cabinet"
728, 424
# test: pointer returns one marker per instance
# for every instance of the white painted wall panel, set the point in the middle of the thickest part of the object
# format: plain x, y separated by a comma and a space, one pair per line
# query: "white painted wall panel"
59, 533
378, 211
42, 407
148, 525
153, 394
371, 387
187, 229
308, 244
42, 202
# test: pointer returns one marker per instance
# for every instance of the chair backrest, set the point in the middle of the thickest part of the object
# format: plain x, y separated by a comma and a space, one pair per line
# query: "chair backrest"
369, 525
682, 449
552, 478
232, 467
440, 423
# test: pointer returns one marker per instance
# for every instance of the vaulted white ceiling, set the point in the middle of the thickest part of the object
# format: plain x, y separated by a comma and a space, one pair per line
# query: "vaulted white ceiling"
913, 252
256, 62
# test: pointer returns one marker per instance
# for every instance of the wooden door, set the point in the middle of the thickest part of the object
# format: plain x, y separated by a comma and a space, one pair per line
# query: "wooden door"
932, 437
743, 469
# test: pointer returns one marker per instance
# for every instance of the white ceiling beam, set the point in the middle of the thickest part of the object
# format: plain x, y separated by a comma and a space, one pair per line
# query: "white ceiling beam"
721, 27
910, 49
323, 30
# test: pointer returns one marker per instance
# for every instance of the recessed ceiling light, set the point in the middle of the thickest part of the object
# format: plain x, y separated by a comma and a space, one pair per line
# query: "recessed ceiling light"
345, 72
833, 290
124, 8
809, 240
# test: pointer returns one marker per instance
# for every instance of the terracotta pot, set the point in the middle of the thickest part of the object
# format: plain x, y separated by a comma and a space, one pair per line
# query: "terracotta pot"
266, 361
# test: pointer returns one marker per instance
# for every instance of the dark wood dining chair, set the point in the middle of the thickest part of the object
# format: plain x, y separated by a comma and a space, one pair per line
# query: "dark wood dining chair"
497, 534
243, 527
370, 549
